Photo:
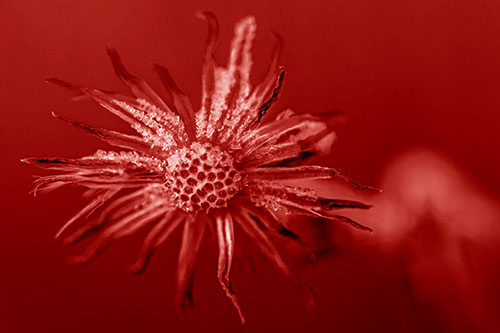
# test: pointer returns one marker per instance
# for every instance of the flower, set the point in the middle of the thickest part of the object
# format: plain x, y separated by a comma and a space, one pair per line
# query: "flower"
218, 167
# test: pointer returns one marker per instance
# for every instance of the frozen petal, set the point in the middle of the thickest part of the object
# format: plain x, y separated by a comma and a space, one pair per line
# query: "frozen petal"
144, 123
283, 173
208, 75
270, 155
232, 84
313, 134
182, 103
114, 138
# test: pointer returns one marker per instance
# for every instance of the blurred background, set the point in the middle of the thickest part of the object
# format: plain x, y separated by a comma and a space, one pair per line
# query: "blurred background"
419, 82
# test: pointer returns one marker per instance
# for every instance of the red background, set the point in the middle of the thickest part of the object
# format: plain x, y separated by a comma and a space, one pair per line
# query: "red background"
407, 73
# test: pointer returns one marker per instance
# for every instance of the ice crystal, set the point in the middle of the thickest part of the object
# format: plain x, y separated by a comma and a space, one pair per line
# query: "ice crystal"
219, 166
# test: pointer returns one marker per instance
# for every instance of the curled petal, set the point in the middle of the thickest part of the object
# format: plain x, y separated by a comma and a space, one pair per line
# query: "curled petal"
181, 101
225, 238
313, 134
274, 96
137, 86
265, 87
270, 155
215, 167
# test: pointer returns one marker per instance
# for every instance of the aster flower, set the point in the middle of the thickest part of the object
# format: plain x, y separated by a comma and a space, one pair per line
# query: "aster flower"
203, 171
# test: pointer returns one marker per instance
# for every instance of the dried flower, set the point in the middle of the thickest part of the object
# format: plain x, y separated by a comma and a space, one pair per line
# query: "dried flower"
216, 167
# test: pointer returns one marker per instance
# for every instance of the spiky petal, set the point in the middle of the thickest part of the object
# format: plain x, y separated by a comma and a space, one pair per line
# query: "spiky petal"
208, 170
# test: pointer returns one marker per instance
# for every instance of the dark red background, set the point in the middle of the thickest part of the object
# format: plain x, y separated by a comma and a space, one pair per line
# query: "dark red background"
407, 73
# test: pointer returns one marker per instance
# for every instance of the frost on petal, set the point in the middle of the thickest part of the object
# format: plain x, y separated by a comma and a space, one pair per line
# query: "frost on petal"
114, 138
300, 201
305, 197
225, 239
103, 170
159, 129
219, 166
208, 74
262, 98
300, 172
180, 101
313, 134
270, 155
232, 83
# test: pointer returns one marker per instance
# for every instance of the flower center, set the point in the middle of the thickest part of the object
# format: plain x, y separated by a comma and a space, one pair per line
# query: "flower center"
202, 177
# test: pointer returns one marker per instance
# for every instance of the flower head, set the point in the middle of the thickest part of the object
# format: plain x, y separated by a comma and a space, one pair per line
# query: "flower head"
219, 166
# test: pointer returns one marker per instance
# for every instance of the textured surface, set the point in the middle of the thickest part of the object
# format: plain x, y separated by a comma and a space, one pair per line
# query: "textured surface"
218, 166
404, 72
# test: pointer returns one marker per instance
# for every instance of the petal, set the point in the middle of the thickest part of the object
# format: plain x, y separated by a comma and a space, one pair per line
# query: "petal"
157, 236
269, 221
192, 235
300, 201
291, 206
100, 198
313, 134
248, 224
155, 126
301, 172
122, 228
225, 238
181, 102
114, 138
137, 86
282, 173
232, 84
115, 210
208, 75
270, 155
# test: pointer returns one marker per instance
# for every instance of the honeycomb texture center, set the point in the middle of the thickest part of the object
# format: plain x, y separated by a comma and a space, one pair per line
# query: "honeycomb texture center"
202, 178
